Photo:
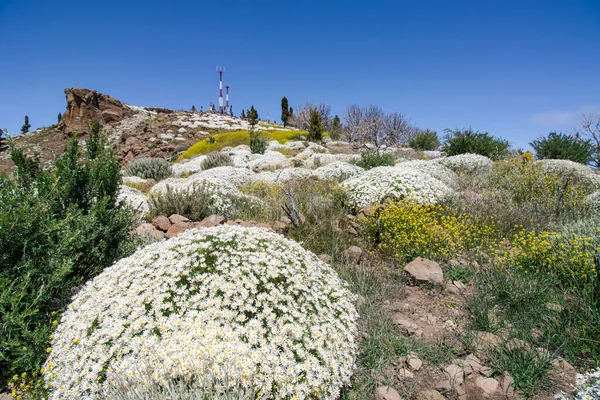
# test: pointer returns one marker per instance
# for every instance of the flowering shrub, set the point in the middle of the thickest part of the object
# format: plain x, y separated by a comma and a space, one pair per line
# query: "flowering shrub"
409, 230
134, 198
155, 168
582, 174
594, 201
381, 182
435, 169
338, 170
587, 387
468, 163
244, 304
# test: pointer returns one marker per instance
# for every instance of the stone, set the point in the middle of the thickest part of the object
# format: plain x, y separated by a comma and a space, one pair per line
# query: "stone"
176, 229
421, 270
486, 340
430, 394
415, 364
404, 373
278, 226
461, 286
147, 229
326, 258
161, 222
455, 375
508, 389
386, 393
353, 254
487, 371
176, 218
405, 325
451, 288
471, 364
212, 220
444, 386
488, 385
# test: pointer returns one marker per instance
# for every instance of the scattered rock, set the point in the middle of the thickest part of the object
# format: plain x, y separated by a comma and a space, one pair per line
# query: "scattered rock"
387, 393
176, 218
461, 286
443, 386
508, 382
326, 258
421, 270
161, 222
471, 364
415, 363
212, 220
451, 288
353, 254
431, 394
404, 373
278, 226
176, 229
455, 375
488, 385
487, 371
147, 229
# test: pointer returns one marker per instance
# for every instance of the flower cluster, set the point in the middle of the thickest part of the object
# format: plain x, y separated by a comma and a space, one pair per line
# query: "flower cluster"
400, 183
594, 200
587, 387
133, 197
582, 173
435, 169
468, 163
242, 304
338, 171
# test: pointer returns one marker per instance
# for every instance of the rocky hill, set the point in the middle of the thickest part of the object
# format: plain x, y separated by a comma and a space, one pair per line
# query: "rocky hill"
134, 131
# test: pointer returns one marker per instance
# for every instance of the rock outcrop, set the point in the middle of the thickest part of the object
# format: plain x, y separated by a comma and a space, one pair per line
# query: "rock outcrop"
85, 106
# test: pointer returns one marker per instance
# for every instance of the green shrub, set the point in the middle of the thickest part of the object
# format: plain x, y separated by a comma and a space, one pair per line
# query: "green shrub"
426, 140
315, 128
374, 158
468, 141
154, 168
58, 228
216, 159
559, 146
258, 142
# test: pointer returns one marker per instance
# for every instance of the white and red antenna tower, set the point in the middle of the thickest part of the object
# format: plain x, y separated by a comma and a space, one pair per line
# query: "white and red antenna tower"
227, 97
220, 70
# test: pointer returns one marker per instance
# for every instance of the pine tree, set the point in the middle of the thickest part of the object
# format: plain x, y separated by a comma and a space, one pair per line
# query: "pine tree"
285, 111
193, 109
231, 111
336, 128
252, 116
243, 114
291, 112
59, 117
26, 125
315, 129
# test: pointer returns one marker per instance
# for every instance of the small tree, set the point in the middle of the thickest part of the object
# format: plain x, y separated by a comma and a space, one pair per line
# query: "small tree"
315, 128
252, 116
26, 125
336, 128
285, 111
243, 115
590, 128
561, 146
231, 111
193, 109
58, 117
424, 140
468, 141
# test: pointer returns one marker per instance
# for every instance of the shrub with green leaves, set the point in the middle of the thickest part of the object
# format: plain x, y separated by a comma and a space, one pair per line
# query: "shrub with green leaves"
149, 167
58, 228
560, 146
374, 158
425, 140
216, 159
468, 141
258, 141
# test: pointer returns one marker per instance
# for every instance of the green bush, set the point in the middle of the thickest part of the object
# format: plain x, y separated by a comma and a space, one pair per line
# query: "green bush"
216, 159
426, 140
315, 128
154, 168
374, 158
258, 142
559, 146
468, 141
58, 228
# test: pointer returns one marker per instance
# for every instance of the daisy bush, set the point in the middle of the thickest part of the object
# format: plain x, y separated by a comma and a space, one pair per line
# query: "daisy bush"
241, 304
400, 183
435, 169
587, 387
582, 174
338, 170
468, 163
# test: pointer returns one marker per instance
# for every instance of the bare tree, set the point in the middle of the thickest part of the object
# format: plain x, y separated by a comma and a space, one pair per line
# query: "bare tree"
590, 128
353, 119
301, 117
373, 125
397, 129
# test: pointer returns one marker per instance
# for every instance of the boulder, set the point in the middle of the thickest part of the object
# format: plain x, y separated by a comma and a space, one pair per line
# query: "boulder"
147, 229
211, 220
176, 218
326, 258
386, 393
353, 254
488, 385
431, 394
161, 222
455, 374
176, 229
421, 270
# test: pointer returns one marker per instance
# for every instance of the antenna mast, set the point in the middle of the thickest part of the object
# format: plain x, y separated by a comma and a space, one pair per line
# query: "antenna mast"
220, 70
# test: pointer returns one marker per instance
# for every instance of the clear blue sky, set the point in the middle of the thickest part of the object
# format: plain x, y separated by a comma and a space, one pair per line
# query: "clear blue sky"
517, 69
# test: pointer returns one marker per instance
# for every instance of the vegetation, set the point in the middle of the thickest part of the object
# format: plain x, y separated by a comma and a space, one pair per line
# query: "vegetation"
252, 116
468, 141
258, 142
26, 125
243, 114
335, 133
58, 228
374, 158
425, 140
315, 128
149, 168
285, 111
227, 138
58, 117
193, 109
216, 159
560, 146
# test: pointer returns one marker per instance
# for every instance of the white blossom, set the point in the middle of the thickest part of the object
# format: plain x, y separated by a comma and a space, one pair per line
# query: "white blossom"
468, 163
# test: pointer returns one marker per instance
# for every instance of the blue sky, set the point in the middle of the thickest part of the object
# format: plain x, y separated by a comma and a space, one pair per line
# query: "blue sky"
518, 69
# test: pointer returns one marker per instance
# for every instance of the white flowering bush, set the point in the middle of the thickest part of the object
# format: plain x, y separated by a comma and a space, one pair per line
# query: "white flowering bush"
435, 169
234, 175
133, 197
468, 163
381, 182
242, 304
581, 173
587, 387
594, 201
338, 170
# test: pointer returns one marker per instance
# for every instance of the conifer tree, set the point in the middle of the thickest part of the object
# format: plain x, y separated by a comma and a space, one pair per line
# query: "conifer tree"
231, 111
252, 116
26, 125
59, 117
243, 113
193, 109
285, 111
315, 129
